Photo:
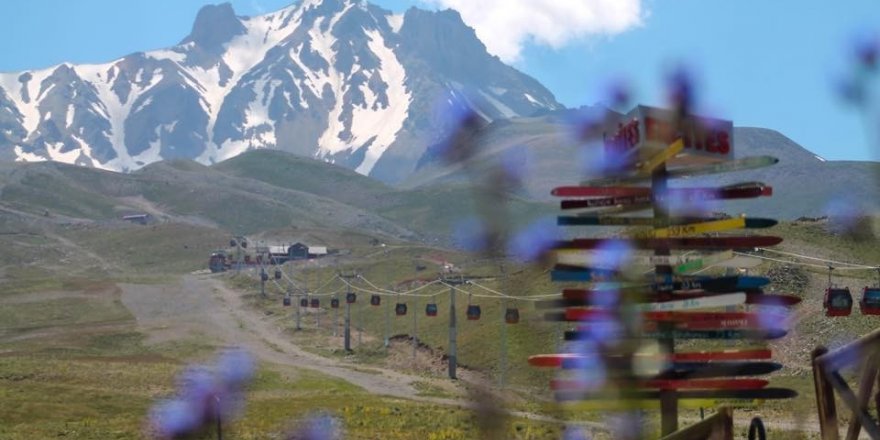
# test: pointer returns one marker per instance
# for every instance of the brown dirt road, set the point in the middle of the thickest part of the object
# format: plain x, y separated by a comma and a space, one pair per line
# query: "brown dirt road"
202, 306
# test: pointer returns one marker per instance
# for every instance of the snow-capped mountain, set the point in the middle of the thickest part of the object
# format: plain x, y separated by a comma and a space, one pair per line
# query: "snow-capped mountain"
339, 80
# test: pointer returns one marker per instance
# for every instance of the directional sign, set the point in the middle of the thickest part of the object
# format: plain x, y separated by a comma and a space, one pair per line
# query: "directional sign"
694, 228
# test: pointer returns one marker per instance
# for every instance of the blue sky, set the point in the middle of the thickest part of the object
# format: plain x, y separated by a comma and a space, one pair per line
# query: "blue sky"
760, 63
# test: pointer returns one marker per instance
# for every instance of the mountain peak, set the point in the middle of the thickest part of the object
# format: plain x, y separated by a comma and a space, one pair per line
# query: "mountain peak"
340, 80
215, 26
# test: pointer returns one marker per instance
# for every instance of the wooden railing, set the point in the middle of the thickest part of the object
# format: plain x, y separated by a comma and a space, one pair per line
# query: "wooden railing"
827, 379
718, 426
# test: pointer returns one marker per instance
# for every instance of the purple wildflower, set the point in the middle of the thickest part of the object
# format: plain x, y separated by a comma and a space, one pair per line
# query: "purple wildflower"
533, 241
471, 234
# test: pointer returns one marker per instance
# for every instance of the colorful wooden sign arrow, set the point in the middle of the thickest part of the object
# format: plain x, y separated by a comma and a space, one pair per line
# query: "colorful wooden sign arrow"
743, 164
556, 360
674, 243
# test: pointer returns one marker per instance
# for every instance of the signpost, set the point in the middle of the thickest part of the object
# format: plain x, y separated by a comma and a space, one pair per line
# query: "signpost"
655, 145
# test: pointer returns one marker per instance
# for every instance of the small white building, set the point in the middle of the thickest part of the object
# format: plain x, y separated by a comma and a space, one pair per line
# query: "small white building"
317, 251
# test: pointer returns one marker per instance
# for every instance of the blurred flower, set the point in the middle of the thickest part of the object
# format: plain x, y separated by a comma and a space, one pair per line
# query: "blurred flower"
200, 389
867, 50
514, 165
591, 373
471, 234
852, 91
609, 299
846, 218
606, 330
588, 123
575, 433
680, 89
618, 94
596, 161
682, 203
625, 426
773, 318
235, 367
461, 142
318, 427
532, 242
613, 254
175, 418
205, 393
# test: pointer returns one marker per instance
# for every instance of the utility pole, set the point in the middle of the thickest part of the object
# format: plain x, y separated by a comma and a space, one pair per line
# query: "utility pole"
503, 355
415, 314
318, 311
387, 325
388, 316
336, 316
453, 331
292, 296
503, 359
347, 331
360, 318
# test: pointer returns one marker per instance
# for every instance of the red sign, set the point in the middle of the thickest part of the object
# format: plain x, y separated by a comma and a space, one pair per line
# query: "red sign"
627, 137
653, 129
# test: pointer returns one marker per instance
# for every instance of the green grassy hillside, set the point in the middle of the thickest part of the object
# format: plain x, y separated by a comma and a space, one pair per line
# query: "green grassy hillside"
480, 341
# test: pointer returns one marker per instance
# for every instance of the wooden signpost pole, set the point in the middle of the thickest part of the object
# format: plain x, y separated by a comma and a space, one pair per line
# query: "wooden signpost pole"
668, 398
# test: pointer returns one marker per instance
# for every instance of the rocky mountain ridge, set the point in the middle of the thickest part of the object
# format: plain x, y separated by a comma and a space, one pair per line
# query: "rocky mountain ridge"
338, 80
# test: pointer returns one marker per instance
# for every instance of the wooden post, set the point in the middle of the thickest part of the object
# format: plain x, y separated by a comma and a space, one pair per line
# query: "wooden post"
852, 402
824, 398
717, 426
668, 398
866, 385
877, 398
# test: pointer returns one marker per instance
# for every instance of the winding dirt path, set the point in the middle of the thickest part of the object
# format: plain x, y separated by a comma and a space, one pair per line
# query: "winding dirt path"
202, 306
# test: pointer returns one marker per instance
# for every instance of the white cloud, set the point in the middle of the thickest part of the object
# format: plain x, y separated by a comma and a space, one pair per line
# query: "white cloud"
505, 25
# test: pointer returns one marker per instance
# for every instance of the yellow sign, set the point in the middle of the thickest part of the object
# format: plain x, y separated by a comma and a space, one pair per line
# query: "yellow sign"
662, 157
694, 228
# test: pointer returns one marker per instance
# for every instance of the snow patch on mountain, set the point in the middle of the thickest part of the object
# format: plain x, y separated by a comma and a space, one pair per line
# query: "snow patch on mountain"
383, 123
357, 71
24, 156
322, 43
241, 55
68, 116
116, 109
503, 109
395, 22
55, 153
23, 94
